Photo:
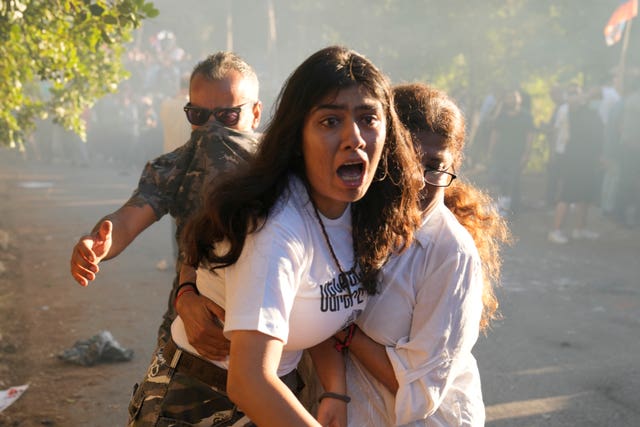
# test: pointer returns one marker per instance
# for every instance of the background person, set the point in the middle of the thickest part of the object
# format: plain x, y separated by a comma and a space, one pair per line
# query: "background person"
176, 130
627, 208
581, 166
509, 146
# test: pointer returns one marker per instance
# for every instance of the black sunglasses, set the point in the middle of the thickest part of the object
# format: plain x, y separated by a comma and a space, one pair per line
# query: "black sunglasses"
226, 116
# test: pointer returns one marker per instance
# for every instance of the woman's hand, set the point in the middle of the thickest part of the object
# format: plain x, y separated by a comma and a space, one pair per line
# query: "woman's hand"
332, 412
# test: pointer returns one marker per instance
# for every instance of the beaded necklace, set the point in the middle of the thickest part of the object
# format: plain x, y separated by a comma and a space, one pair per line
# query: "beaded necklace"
342, 278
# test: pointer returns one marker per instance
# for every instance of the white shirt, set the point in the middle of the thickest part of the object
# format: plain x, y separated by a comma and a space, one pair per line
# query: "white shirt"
285, 283
175, 126
561, 126
427, 315
609, 98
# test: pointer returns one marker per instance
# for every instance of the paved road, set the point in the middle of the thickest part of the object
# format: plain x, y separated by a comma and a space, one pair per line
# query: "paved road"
46, 207
565, 354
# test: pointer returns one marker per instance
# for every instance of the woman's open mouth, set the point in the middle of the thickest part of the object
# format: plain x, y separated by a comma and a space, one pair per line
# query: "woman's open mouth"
351, 173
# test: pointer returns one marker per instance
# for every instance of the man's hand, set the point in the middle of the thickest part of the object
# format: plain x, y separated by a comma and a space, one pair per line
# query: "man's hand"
88, 253
201, 321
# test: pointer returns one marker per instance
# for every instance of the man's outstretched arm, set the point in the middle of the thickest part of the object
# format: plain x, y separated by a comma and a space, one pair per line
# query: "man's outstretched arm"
110, 236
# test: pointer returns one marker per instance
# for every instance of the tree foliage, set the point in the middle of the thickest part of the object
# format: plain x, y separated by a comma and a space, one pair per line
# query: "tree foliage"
472, 45
58, 56
471, 48
465, 47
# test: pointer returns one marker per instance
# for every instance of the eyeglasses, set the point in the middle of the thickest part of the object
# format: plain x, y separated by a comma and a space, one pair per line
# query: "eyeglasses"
226, 116
438, 178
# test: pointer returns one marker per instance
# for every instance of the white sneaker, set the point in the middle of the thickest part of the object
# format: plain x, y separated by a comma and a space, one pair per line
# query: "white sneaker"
558, 237
584, 234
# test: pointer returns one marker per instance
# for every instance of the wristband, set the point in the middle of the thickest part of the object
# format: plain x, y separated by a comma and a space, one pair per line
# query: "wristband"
180, 290
175, 302
343, 346
184, 284
343, 397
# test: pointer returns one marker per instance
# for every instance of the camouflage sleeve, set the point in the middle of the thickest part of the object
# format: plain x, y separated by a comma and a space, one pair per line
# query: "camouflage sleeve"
161, 179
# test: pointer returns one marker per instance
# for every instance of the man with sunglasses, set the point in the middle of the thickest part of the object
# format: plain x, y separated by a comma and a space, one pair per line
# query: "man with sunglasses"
224, 111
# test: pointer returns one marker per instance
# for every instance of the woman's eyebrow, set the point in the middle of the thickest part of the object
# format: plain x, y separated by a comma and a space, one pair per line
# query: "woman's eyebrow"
331, 107
366, 106
434, 160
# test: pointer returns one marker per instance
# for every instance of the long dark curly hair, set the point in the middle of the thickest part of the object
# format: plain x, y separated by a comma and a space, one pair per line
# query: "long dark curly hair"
383, 220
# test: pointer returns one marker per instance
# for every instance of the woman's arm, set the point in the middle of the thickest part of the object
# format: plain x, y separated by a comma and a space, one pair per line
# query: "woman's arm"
253, 382
329, 364
373, 356
330, 368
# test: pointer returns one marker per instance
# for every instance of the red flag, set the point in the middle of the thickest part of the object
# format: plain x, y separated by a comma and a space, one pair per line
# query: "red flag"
625, 12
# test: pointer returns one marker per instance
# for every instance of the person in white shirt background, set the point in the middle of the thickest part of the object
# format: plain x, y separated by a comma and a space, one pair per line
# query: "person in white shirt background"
410, 360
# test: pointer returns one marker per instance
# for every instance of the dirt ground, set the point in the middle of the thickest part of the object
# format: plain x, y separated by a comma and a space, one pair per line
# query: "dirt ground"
564, 355
45, 208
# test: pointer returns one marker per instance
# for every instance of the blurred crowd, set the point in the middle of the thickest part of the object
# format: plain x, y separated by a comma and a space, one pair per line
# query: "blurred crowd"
588, 148
124, 129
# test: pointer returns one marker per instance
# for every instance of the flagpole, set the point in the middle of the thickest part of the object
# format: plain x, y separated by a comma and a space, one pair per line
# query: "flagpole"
623, 55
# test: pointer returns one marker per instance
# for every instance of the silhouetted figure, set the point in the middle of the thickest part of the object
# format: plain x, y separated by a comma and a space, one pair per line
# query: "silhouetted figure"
628, 206
509, 145
580, 167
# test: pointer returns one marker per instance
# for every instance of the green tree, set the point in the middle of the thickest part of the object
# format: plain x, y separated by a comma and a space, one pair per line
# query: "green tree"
57, 57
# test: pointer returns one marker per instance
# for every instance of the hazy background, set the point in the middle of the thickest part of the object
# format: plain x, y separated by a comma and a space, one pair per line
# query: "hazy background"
566, 352
472, 49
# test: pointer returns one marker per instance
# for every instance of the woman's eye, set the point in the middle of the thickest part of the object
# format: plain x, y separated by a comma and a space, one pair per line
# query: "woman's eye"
330, 122
437, 167
370, 120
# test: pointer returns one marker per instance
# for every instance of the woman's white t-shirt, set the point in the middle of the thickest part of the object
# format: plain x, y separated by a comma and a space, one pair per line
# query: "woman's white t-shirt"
285, 283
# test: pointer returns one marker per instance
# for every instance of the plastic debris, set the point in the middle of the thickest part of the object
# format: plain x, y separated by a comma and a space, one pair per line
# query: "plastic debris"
162, 265
100, 348
10, 395
35, 184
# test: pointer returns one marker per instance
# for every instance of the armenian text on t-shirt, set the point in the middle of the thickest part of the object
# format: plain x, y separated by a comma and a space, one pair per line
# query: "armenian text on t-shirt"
333, 297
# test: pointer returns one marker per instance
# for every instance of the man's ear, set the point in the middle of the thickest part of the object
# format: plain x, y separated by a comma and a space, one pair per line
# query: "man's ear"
257, 114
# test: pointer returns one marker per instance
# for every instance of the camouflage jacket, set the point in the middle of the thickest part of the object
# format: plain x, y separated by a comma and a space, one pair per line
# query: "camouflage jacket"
173, 183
